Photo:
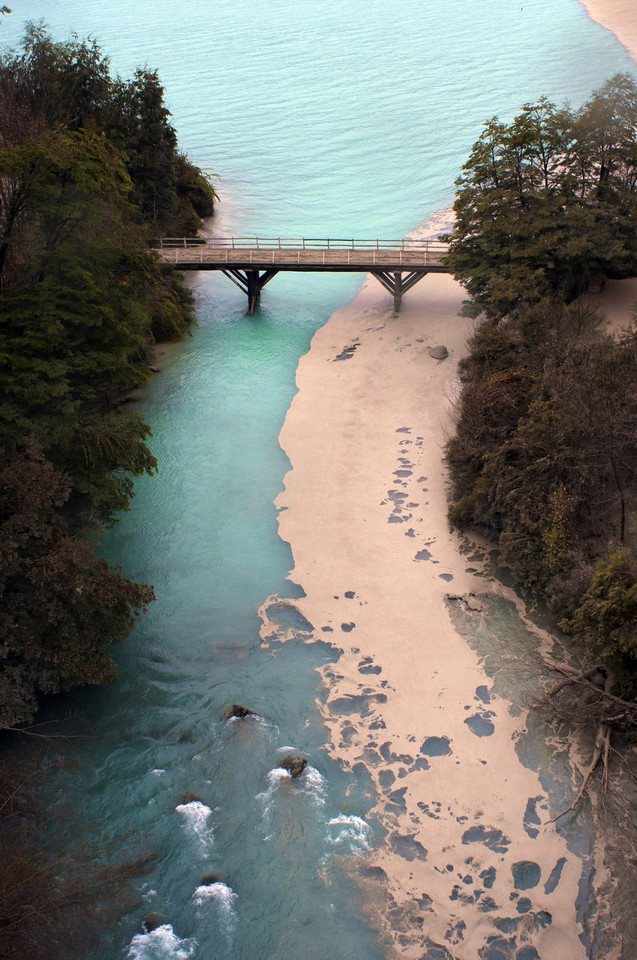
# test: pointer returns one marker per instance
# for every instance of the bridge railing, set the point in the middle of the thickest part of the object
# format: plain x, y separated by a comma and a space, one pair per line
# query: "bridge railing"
302, 243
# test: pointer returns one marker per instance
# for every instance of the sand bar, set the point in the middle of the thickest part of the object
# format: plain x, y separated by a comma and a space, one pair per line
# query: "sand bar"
620, 16
365, 515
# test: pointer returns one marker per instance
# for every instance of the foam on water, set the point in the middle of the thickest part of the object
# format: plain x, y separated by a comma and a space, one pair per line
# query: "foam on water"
313, 784
309, 785
196, 815
161, 944
219, 892
349, 834
248, 726
268, 796
223, 898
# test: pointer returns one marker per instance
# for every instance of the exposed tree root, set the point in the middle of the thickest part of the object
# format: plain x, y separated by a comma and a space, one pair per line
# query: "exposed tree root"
601, 750
572, 678
598, 702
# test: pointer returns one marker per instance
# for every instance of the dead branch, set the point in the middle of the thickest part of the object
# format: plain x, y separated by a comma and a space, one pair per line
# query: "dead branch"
603, 692
601, 752
609, 708
573, 678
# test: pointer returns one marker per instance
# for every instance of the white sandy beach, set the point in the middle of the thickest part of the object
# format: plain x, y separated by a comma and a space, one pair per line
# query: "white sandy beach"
366, 494
620, 16
364, 510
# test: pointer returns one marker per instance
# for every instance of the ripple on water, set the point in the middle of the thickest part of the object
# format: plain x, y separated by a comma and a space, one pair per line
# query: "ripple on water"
161, 944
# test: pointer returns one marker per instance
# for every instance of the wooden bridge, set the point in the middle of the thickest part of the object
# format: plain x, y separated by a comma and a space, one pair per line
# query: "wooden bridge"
253, 262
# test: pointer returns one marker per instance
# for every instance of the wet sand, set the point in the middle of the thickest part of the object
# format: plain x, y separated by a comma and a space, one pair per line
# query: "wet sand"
620, 16
365, 515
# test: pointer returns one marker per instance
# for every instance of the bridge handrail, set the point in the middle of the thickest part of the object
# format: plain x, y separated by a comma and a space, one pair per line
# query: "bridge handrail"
301, 243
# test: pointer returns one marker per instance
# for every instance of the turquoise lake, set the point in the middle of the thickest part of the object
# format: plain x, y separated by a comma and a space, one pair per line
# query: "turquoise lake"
320, 119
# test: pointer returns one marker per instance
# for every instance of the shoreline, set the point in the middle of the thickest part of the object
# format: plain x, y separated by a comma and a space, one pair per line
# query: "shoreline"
377, 575
619, 17
364, 511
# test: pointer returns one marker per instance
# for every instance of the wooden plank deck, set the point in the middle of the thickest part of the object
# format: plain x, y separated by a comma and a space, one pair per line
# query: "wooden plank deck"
303, 255
251, 262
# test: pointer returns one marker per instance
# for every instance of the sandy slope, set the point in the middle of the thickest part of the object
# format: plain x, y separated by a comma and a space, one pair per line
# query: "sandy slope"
620, 16
365, 497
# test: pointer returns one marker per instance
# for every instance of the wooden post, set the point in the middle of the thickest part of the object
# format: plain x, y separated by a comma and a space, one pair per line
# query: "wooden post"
252, 276
398, 291
252, 283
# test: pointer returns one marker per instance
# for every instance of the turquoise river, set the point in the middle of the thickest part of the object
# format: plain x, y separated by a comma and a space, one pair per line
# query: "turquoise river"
320, 119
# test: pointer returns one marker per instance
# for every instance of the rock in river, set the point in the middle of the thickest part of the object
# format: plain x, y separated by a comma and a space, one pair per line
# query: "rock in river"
188, 797
236, 710
294, 764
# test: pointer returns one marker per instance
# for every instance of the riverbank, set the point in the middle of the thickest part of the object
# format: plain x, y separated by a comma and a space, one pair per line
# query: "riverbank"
618, 16
365, 515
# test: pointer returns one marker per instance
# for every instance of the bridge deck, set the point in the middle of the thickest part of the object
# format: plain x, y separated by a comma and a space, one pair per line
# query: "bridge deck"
253, 262
304, 255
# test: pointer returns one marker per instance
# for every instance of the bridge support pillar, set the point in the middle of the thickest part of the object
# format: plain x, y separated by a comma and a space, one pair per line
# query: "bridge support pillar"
254, 291
398, 283
251, 282
398, 291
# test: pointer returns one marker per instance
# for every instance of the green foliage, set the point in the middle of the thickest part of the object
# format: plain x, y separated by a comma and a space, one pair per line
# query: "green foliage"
138, 125
545, 448
549, 200
69, 84
61, 606
544, 454
605, 618
557, 535
103, 456
75, 338
69, 81
89, 171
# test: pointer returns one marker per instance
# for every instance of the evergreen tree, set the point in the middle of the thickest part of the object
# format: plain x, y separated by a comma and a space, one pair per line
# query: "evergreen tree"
60, 606
547, 201
89, 170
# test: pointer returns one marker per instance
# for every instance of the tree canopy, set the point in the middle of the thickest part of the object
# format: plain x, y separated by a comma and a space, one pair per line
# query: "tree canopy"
89, 170
544, 454
69, 83
548, 201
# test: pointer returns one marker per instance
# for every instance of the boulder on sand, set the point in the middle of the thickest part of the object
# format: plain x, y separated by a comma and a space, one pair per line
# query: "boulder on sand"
439, 353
